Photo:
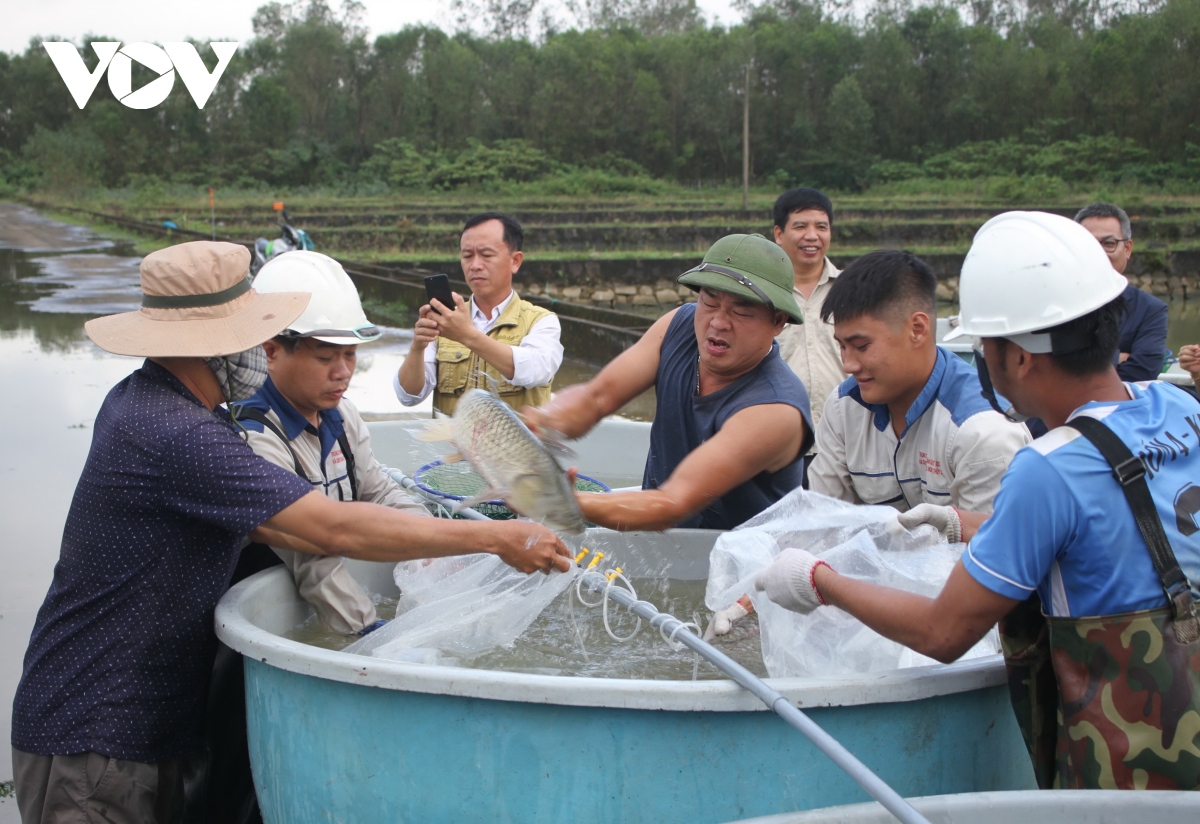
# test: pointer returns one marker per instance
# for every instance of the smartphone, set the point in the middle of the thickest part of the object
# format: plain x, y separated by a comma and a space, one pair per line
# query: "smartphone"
438, 286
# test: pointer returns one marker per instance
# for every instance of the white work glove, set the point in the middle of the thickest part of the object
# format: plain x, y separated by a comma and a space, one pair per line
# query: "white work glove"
788, 581
724, 619
943, 518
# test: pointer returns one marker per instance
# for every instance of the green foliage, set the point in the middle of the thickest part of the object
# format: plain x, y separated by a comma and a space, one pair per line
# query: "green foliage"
851, 121
15, 174
397, 161
7, 789
600, 182
1014, 170
647, 93
507, 165
65, 159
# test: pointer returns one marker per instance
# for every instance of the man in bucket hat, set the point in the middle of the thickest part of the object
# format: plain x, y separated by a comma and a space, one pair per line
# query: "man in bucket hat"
112, 693
732, 421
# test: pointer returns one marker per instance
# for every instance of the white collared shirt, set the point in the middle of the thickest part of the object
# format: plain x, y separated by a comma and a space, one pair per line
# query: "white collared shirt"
535, 359
810, 349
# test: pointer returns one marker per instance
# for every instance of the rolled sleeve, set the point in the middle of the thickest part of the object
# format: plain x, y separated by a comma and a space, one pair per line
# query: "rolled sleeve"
1016, 547
539, 355
430, 361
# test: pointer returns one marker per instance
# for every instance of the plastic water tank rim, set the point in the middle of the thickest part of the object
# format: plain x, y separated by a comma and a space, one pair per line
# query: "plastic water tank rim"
236, 628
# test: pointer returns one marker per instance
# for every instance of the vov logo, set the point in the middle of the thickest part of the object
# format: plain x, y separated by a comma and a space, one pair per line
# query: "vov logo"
165, 60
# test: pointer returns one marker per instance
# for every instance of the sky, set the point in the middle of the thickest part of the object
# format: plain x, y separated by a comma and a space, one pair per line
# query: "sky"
158, 21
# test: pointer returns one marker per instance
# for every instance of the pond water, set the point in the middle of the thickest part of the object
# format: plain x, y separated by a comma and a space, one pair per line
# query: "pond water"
570, 639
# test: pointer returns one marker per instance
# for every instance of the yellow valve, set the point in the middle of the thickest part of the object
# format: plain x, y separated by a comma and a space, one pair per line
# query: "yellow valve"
579, 557
613, 573
596, 560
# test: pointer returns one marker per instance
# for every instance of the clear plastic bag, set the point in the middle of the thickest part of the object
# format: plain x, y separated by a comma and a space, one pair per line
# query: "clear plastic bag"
453, 609
865, 542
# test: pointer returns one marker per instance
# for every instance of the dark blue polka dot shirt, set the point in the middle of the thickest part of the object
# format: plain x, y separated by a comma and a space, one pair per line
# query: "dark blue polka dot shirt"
122, 648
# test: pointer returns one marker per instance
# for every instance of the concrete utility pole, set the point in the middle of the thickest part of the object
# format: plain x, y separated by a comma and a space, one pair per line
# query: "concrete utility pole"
746, 143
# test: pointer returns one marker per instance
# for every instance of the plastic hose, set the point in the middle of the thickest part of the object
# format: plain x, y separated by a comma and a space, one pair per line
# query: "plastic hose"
862, 775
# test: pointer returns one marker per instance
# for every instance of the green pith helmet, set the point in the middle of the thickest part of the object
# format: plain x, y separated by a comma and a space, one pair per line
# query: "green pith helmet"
749, 266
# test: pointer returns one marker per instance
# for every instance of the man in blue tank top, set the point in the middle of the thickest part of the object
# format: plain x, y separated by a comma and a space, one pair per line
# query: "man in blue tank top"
732, 423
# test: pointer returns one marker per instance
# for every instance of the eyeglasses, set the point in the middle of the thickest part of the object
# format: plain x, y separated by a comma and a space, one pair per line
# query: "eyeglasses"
1110, 243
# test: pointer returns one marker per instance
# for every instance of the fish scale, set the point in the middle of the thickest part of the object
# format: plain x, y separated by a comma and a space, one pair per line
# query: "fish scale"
515, 464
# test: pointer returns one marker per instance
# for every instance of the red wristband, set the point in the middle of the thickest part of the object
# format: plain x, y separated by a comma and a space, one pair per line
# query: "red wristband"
812, 580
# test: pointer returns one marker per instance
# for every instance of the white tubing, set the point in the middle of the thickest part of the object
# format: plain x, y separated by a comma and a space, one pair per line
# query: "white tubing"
862, 775
612, 580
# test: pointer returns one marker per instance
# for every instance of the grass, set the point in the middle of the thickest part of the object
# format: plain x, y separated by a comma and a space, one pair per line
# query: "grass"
246, 213
7, 789
186, 201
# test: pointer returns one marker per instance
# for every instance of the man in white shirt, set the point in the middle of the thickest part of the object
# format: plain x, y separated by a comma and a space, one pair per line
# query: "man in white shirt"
803, 228
495, 335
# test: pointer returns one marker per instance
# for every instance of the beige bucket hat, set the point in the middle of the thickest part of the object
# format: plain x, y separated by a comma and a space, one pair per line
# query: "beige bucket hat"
197, 302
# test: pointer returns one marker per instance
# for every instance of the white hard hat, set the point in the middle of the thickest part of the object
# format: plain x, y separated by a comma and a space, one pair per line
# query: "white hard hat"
1029, 271
335, 314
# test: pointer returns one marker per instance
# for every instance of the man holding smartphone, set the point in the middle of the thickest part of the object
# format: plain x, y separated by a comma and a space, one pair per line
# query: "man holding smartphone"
495, 335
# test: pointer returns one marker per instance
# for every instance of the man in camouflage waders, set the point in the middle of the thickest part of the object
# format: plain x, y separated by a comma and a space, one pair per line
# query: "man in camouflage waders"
1091, 558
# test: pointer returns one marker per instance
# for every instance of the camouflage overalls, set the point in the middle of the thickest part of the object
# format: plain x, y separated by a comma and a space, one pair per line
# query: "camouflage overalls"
1111, 701
1108, 702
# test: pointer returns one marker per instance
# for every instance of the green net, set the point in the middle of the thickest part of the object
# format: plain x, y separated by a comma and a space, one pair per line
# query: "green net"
454, 482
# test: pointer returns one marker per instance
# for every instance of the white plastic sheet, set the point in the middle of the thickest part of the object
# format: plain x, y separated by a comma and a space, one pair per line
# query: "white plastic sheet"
865, 542
453, 609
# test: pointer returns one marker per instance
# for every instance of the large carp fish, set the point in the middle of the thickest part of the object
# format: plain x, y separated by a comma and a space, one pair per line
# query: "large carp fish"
517, 466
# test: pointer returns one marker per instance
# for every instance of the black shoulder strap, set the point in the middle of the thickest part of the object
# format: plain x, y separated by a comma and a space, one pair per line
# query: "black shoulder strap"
344, 443
1130, 472
252, 414
247, 413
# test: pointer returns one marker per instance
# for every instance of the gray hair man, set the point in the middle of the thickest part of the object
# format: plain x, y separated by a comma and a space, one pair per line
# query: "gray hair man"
1144, 324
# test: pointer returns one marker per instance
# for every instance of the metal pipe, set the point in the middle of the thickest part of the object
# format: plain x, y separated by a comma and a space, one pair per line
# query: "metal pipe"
857, 770
411, 485
746, 142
